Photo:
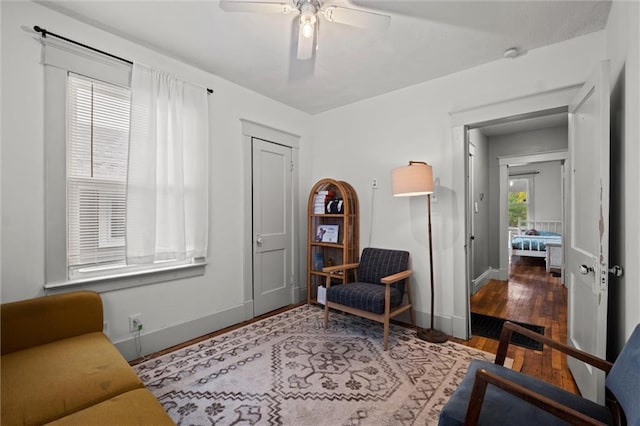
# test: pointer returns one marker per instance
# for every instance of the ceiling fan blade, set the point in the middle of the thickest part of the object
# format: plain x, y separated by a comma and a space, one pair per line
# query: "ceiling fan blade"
305, 46
254, 6
357, 18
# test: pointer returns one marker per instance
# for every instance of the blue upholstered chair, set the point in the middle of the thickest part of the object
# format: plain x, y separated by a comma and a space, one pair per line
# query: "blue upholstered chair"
381, 282
491, 394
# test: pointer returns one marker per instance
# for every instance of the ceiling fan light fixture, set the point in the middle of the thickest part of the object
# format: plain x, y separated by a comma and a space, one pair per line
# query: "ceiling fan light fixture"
308, 19
307, 25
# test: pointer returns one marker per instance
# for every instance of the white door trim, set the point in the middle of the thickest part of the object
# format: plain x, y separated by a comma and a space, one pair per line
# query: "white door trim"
510, 109
252, 129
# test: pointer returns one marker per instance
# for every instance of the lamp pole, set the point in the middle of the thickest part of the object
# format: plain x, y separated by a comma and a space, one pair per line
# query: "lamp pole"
431, 334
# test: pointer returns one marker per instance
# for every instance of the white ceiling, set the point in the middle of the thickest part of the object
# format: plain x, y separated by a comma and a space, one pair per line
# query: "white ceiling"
426, 40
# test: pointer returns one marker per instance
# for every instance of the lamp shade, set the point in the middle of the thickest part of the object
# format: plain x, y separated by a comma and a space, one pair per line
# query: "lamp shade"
414, 179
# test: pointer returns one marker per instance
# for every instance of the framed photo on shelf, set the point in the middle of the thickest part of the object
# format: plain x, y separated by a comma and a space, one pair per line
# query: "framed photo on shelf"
327, 233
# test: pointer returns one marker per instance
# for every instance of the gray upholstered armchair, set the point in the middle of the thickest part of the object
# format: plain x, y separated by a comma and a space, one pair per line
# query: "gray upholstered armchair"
491, 394
381, 281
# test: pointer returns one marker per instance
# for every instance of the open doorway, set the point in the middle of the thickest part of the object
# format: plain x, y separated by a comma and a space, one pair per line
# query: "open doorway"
516, 190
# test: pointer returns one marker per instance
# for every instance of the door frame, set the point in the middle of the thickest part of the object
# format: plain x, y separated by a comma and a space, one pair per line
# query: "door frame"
538, 104
250, 130
471, 149
504, 163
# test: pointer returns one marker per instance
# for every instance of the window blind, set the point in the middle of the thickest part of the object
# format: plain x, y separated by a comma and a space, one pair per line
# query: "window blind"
97, 150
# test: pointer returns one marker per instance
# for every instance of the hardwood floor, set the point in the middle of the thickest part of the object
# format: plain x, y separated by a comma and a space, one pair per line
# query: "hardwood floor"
534, 296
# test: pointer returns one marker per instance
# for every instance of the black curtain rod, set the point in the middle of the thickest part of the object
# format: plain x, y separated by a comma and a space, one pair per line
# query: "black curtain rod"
45, 33
535, 172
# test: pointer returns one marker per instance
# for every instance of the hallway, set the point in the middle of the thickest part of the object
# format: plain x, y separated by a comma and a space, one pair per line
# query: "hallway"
533, 296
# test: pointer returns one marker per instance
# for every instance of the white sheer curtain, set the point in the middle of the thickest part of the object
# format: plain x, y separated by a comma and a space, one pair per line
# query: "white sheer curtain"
167, 180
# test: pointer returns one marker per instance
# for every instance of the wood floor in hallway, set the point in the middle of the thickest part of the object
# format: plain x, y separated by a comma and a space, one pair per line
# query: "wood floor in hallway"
534, 296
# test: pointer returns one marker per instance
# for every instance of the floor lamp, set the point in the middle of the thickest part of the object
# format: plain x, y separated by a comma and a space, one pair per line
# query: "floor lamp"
417, 179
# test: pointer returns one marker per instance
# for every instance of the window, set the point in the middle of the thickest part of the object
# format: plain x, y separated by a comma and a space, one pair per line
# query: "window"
96, 156
97, 147
520, 206
87, 130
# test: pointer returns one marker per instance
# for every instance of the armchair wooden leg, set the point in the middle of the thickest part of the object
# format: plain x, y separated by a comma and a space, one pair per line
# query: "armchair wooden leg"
386, 334
326, 301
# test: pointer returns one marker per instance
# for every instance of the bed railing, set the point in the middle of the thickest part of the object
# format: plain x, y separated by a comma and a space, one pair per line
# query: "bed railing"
540, 225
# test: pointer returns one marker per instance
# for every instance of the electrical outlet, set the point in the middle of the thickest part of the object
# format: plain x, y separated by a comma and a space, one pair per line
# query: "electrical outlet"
374, 183
135, 323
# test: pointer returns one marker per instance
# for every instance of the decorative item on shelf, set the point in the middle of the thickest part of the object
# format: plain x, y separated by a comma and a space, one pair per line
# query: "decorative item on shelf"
318, 262
322, 294
335, 206
327, 233
412, 180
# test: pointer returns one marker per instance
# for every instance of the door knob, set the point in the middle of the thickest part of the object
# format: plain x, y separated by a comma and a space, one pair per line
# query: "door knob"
259, 240
616, 270
584, 269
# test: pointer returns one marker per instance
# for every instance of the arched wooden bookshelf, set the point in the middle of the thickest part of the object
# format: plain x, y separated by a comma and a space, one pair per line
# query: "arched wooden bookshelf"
324, 246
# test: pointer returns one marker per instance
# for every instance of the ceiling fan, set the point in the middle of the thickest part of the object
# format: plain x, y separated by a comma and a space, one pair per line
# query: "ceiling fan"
309, 11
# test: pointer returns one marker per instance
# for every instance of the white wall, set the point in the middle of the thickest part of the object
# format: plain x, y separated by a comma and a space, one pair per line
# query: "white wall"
367, 139
623, 48
355, 143
521, 143
547, 190
195, 305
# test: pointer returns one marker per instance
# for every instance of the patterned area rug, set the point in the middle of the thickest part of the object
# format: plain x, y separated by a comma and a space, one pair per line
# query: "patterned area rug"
289, 370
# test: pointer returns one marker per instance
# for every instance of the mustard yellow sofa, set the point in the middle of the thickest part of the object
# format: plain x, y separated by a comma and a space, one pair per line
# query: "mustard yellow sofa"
59, 368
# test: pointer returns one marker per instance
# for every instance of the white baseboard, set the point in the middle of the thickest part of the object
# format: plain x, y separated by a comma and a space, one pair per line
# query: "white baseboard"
423, 320
479, 282
499, 274
248, 310
298, 294
154, 341
460, 327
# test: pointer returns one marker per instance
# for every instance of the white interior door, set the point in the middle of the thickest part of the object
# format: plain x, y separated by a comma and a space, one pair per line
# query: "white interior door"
272, 226
588, 228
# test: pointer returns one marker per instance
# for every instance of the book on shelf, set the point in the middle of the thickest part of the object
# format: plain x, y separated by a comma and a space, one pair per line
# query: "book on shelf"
327, 233
320, 201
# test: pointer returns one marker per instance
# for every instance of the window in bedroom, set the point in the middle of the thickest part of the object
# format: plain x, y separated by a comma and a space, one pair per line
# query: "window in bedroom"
519, 199
88, 175
96, 152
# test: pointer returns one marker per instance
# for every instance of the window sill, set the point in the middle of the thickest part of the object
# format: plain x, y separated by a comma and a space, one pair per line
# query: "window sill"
128, 279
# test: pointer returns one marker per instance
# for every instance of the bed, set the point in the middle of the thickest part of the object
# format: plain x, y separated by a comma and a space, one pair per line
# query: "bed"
532, 236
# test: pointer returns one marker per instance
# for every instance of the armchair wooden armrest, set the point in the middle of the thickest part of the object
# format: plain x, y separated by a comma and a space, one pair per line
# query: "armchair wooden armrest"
390, 279
509, 328
484, 377
338, 268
